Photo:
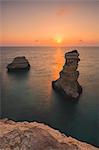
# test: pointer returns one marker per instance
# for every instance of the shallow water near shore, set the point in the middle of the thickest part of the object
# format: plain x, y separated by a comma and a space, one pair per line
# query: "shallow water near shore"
29, 95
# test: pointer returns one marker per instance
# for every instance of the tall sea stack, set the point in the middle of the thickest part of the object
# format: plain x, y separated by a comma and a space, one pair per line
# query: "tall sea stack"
67, 83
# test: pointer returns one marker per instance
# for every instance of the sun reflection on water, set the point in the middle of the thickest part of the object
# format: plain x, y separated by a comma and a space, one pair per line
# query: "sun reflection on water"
58, 61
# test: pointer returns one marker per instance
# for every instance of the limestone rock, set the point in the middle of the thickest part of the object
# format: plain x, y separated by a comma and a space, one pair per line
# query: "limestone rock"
36, 136
19, 63
67, 83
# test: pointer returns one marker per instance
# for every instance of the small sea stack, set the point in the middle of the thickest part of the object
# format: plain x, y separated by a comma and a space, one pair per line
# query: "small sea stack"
18, 64
67, 83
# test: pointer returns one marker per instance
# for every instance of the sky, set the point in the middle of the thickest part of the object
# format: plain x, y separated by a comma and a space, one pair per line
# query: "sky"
49, 22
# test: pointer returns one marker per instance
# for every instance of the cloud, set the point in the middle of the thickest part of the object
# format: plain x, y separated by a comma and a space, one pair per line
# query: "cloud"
81, 41
37, 41
65, 10
61, 12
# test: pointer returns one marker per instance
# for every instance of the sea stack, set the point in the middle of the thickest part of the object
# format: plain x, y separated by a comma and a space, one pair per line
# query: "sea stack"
67, 83
18, 64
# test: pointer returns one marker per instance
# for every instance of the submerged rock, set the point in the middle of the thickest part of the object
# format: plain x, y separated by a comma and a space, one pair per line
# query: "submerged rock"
36, 136
67, 83
19, 63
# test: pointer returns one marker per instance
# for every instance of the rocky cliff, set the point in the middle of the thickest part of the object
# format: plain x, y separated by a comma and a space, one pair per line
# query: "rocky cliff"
36, 136
67, 82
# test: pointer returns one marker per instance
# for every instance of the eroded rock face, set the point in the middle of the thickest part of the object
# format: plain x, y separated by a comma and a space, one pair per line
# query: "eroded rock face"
36, 136
19, 63
67, 83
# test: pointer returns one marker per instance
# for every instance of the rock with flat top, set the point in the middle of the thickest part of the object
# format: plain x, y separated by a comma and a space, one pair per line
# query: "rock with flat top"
19, 63
67, 83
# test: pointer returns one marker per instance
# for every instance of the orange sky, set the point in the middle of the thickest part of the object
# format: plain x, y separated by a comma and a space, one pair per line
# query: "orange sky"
49, 22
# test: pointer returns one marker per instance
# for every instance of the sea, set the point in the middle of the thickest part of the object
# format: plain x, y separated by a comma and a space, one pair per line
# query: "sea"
29, 96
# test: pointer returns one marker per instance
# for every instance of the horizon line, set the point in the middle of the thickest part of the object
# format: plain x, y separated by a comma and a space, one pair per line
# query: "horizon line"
48, 46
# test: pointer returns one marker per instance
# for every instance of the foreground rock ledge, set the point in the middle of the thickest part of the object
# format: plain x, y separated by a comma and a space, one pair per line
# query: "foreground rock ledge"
36, 136
67, 83
18, 64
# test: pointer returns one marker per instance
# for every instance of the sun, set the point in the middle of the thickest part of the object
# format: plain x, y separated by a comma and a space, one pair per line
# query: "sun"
58, 40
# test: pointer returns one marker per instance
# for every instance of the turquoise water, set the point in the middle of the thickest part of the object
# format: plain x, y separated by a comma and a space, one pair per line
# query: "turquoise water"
29, 96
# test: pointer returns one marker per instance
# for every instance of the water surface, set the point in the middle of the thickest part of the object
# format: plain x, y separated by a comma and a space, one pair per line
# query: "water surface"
29, 96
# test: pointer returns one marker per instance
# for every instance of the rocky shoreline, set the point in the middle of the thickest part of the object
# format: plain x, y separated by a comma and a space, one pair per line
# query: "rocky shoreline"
36, 136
